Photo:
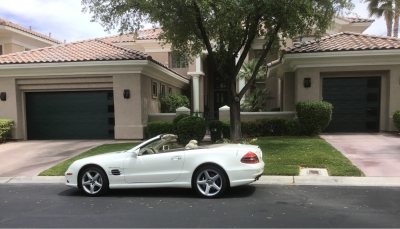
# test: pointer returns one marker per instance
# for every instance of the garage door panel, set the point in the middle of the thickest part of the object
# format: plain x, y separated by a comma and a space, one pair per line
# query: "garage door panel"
356, 103
69, 115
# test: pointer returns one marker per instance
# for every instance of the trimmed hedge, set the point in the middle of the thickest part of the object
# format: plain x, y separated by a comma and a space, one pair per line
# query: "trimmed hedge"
262, 127
313, 116
215, 128
396, 119
159, 127
176, 120
5, 129
226, 129
191, 128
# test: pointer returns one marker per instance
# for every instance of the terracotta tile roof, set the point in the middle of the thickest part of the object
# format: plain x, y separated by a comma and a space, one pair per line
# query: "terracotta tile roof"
356, 20
23, 29
346, 41
87, 50
274, 63
146, 34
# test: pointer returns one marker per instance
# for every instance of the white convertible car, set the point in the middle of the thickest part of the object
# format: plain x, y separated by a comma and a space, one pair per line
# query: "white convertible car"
210, 170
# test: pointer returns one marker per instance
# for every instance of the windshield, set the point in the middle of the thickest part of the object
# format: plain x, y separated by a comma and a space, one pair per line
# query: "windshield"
156, 144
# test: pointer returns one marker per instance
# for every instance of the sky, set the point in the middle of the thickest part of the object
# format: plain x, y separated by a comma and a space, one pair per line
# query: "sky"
65, 20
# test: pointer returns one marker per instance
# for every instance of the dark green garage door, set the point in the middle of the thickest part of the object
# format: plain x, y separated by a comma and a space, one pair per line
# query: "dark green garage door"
356, 103
70, 115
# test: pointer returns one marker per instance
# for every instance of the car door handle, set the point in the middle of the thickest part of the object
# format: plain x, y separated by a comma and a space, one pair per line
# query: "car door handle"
176, 158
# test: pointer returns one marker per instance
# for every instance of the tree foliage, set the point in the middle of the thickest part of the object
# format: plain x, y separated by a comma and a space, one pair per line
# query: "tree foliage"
170, 102
225, 28
390, 10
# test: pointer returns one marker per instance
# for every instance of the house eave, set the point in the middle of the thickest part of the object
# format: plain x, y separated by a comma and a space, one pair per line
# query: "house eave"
293, 61
145, 67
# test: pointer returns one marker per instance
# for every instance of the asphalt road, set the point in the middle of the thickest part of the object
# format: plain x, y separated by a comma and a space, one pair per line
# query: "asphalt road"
33, 205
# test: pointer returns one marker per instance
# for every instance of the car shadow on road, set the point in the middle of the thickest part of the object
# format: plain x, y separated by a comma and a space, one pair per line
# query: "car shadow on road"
236, 192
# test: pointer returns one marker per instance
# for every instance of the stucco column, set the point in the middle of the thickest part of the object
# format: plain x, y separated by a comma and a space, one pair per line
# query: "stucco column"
196, 92
224, 113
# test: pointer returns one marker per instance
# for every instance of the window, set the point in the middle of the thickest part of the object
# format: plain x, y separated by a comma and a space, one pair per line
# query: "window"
162, 89
27, 49
154, 89
169, 90
179, 62
1, 49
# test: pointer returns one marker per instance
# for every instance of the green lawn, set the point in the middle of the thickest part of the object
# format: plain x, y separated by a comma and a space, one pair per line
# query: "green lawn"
285, 155
282, 156
59, 170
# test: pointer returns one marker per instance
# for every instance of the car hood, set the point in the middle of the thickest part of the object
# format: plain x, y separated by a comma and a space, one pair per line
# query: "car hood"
101, 157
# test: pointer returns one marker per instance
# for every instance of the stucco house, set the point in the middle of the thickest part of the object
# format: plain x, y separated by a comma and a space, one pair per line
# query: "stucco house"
83, 90
15, 38
106, 87
359, 74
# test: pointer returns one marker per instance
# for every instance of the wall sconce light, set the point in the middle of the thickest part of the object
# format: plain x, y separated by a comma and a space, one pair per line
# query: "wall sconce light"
3, 96
307, 82
127, 94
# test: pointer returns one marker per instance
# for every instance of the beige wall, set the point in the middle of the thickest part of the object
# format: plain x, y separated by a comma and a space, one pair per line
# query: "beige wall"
162, 57
128, 115
288, 101
12, 48
12, 107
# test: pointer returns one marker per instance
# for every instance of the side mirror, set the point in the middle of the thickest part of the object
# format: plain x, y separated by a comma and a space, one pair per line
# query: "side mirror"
165, 147
135, 153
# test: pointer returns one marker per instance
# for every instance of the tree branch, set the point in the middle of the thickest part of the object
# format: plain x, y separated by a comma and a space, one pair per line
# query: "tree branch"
260, 61
247, 47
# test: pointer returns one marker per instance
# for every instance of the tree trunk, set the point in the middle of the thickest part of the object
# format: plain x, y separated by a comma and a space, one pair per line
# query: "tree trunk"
389, 18
236, 129
396, 18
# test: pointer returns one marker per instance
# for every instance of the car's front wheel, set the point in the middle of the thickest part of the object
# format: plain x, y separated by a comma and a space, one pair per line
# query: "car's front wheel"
94, 181
210, 182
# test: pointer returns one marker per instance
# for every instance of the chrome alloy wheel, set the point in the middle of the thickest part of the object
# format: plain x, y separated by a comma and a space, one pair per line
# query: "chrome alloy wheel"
209, 182
92, 182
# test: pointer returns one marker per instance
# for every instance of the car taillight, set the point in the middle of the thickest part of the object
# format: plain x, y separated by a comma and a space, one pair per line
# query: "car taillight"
250, 158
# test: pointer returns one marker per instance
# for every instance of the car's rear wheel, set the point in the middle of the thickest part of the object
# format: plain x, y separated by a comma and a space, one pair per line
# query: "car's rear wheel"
209, 182
94, 181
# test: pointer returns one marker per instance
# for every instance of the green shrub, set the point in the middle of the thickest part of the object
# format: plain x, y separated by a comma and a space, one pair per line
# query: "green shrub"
313, 116
215, 128
272, 127
226, 129
5, 129
396, 119
292, 128
191, 128
176, 120
159, 127
173, 101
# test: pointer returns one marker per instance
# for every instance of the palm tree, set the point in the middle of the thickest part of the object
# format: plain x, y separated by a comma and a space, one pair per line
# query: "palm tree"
384, 8
396, 18
247, 71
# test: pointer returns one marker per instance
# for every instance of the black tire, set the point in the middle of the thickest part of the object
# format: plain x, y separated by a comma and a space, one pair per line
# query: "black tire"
209, 181
94, 181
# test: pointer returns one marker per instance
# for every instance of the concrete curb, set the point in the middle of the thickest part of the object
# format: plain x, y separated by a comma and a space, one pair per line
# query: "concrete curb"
264, 180
331, 180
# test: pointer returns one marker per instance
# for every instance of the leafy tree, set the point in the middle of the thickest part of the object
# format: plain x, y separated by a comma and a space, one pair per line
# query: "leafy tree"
171, 102
225, 28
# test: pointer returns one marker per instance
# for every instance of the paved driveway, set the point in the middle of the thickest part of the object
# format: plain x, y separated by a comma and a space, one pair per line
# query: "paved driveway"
375, 154
29, 158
